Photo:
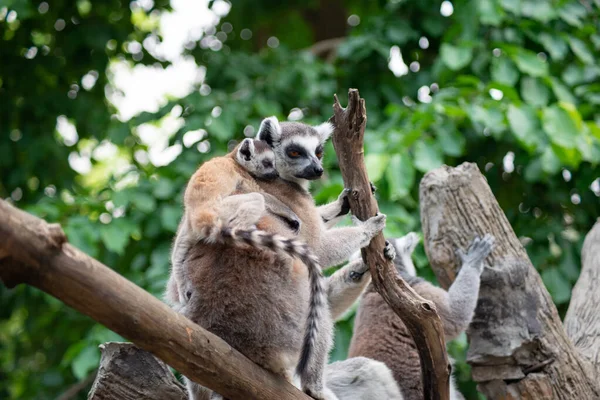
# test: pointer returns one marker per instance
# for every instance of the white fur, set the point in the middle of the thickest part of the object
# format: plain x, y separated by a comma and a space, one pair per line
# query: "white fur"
324, 130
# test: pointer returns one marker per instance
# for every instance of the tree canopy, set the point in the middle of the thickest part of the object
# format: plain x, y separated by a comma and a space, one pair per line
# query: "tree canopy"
509, 84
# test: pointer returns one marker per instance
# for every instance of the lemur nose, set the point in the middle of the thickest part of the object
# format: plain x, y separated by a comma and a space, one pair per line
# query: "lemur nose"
318, 170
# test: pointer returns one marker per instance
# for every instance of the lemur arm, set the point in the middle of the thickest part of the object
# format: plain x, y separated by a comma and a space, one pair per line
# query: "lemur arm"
346, 285
337, 244
457, 306
331, 213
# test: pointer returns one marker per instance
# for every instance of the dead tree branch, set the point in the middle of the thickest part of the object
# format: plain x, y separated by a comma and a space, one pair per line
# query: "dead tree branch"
39, 256
518, 348
418, 314
582, 321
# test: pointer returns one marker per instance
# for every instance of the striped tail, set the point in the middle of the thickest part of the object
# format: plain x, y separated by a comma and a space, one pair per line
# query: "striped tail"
295, 248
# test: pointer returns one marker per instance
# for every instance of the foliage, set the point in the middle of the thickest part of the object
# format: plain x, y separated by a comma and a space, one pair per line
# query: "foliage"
508, 84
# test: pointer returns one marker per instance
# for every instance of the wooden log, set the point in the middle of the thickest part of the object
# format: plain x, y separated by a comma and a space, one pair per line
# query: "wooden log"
582, 321
418, 314
517, 345
128, 373
38, 255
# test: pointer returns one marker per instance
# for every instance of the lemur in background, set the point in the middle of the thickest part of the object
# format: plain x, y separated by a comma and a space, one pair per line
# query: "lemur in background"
257, 300
381, 335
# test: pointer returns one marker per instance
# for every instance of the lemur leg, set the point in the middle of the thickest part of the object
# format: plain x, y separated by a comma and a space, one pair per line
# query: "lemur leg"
242, 211
278, 208
337, 244
346, 285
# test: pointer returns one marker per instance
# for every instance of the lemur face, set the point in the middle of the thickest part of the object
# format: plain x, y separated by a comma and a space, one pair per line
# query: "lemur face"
257, 158
298, 147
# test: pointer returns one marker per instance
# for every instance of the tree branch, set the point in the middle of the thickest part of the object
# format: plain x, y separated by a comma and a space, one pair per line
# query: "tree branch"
39, 257
517, 346
418, 314
582, 321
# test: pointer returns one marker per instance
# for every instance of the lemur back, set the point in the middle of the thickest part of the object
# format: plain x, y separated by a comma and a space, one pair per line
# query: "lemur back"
381, 335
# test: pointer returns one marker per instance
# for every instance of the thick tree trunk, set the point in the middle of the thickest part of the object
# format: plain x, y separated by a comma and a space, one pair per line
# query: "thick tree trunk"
34, 252
128, 373
582, 321
518, 347
419, 315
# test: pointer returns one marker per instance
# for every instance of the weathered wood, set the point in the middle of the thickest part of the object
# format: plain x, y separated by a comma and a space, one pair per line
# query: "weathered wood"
418, 314
517, 345
128, 373
582, 321
39, 256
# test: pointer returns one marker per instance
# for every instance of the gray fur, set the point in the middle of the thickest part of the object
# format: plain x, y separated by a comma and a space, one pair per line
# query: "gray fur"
257, 158
361, 378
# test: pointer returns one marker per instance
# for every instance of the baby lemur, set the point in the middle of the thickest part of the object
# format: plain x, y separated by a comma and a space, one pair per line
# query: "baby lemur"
256, 300
381, 335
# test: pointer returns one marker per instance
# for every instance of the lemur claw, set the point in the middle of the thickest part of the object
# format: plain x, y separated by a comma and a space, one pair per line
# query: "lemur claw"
389, 251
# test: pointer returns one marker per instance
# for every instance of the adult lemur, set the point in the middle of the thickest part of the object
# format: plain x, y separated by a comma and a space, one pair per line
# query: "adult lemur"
257, 300
381, 335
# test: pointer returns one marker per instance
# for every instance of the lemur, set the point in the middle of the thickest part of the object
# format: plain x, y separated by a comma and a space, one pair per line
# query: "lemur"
381, 335
268, 332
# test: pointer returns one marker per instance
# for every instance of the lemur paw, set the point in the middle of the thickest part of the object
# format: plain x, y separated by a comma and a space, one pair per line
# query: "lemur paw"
478, 251
324, 394
389, 251
344, 202
373, 187
371, 227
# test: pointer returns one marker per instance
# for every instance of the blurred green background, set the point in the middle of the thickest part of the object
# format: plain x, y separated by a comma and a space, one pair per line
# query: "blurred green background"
108, 107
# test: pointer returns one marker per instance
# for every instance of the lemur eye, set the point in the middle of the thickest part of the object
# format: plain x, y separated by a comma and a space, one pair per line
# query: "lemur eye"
293, 154
319, 154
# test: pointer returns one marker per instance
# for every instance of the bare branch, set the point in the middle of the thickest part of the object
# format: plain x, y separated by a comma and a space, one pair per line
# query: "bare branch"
39, 257
418, 314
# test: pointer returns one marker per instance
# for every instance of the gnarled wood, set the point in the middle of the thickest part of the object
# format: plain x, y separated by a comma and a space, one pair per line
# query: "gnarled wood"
518, 347
39, 256
582, 321
418, 314
128, 373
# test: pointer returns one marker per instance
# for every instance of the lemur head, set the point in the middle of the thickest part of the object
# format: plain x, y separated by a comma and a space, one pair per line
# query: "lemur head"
257, 158
298, 148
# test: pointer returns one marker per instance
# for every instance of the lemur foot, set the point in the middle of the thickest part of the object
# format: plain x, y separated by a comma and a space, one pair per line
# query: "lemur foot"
324, 394
371, 227
478, 251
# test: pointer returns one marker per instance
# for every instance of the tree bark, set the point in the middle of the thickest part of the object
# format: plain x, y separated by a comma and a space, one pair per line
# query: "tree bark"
518, 347
128, 373
35, 253
582, 321
418, 314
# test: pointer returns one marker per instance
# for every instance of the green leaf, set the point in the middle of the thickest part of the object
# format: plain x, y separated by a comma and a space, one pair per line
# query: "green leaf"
376, 165
490, 12
400, 176
558, 286
581, 51
143, 201
452, 141
513, 6
504, 71
164, 189
85, 362
562, 92
116, 234
534, 92
572, 13
550, 162
170, 216
540, 10
529, 63
456, 57
428, 155
222, 127
554, 45
559, 126
525, 127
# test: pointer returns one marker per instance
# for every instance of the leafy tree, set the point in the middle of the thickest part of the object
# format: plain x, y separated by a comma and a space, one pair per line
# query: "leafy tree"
508, 84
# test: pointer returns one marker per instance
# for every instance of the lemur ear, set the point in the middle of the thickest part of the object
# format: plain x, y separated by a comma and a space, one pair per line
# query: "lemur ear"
324, 130
246, 149
269, 131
